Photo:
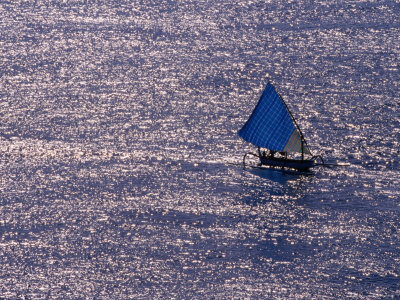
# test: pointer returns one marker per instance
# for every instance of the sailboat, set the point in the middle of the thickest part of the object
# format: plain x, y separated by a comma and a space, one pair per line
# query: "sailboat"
272, 126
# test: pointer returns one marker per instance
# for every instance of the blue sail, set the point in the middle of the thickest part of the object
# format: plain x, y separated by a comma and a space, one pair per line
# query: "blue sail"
271, 126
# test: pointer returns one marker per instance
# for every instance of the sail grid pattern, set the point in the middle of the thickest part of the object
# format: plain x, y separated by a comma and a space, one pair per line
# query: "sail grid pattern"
270, 125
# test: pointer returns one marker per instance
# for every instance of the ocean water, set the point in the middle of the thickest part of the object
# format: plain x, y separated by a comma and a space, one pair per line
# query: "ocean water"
121, 173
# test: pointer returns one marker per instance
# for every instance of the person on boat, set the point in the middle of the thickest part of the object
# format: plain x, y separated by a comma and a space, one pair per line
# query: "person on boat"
271, 154
263, 154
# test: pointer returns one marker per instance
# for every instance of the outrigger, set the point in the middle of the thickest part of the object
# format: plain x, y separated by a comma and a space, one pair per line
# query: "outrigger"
272, 126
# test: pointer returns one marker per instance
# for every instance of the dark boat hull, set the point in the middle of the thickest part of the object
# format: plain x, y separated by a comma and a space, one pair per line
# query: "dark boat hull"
301, 165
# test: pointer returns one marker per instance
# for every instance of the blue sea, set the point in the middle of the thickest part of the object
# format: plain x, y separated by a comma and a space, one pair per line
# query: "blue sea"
121, 170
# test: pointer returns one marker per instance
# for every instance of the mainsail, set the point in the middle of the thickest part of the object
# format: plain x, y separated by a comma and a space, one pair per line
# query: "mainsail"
271, 125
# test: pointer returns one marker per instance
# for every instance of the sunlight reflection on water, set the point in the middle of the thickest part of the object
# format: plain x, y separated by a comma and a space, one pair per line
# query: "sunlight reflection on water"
121, 169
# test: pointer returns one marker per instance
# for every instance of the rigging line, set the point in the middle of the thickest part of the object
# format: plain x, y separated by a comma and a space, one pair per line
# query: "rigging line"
294, 121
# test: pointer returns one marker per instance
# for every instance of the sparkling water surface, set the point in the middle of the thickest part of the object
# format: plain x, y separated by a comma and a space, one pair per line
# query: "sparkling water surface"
120, 165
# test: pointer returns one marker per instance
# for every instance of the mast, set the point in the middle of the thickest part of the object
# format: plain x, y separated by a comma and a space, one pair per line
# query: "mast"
303, 140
